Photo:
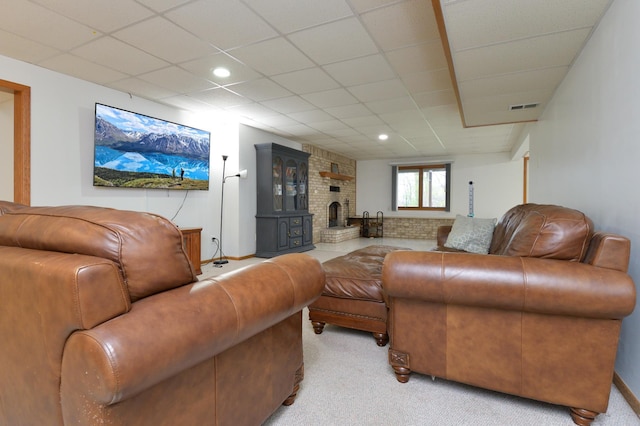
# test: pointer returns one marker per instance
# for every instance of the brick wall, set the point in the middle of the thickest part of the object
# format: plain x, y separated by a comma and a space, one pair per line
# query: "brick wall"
319, 195
413, 227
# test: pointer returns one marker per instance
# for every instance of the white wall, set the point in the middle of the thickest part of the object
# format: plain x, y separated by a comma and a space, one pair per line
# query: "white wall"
585, 149
6, 148
497, 186
62, 126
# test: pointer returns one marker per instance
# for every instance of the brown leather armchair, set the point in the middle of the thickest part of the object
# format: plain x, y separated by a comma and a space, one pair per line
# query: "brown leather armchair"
104, 322
539, 317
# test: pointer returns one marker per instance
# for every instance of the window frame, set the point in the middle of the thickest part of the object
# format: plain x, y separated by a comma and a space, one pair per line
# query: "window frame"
420, 168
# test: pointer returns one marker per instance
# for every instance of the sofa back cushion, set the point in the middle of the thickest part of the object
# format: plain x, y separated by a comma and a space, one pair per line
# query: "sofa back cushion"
545, 231
146, 247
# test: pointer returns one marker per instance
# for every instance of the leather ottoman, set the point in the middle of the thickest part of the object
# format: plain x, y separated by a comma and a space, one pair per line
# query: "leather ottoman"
352, 295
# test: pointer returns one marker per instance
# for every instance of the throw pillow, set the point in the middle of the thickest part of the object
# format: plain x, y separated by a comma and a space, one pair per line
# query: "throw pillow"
471, 234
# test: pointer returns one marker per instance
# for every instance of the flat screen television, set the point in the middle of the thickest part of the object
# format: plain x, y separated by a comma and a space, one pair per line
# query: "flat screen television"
133, 150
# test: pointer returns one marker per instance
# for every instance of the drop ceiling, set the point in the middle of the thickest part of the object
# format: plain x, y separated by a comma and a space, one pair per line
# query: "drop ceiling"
438, 77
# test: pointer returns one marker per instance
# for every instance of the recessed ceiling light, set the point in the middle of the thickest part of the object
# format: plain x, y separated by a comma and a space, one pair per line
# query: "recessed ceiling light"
383, 137
221, 72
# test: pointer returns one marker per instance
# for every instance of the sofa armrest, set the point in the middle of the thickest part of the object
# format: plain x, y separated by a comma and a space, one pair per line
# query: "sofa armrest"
172, 331
443, 234
536, 285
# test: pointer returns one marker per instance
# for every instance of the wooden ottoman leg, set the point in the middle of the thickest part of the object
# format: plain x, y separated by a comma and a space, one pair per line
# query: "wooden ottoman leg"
318, 326
381, 338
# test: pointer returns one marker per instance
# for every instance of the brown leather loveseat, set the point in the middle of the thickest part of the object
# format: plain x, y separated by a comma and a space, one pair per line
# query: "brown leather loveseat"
538, 317
103, 321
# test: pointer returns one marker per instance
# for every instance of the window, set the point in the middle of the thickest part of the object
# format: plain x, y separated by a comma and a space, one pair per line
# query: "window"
422, 187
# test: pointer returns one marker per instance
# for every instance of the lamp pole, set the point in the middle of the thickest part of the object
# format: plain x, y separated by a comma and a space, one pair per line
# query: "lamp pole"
243, 174
221, 261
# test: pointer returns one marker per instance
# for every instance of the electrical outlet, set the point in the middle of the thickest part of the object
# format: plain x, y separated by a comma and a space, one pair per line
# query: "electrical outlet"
213, 239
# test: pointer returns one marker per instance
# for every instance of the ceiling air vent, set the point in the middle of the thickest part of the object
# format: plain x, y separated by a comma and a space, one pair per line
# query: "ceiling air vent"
523, 106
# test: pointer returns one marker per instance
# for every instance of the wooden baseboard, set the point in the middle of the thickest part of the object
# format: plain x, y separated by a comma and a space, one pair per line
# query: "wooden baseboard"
631, 399
204, 262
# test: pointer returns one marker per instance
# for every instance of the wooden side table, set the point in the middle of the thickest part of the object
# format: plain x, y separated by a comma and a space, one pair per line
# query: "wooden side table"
191, 243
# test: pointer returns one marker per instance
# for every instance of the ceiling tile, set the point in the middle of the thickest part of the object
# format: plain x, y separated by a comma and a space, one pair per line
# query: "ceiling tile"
313, 116
292, 15
364, 5
402, 24
162, 5
545, 78
429, 81
260, 90
335, 41
330, 98
300, 130
306, 81
288, 104
177, 80
404, 103
43, 25
472, 24
560, 49
271, 57
423, 57
363, 121
349, 111
190, 104
379, 90
221, 98
346, 132
361, 70
254, 110
115, 54
280, 121
23, 49
327, 126
431, 99
165, 40
204, 66
81, 68
225, 24
142, 88
105, 16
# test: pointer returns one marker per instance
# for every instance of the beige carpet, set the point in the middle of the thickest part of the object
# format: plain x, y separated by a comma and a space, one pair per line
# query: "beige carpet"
349, 382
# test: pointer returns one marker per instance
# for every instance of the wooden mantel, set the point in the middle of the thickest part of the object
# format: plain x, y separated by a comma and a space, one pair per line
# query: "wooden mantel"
335, 176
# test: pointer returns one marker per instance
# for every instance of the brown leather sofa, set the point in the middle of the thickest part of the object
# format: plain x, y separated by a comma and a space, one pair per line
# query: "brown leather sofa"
352, 295
103, 321
539, 317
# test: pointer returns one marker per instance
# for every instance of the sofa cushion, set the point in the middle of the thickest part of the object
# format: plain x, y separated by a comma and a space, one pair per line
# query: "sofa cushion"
471, 234
545, 231
146, 247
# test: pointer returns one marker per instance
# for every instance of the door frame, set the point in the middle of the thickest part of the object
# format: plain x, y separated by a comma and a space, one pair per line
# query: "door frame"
21, 140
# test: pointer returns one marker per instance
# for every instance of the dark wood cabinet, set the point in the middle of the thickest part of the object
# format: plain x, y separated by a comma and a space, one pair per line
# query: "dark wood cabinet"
283, 222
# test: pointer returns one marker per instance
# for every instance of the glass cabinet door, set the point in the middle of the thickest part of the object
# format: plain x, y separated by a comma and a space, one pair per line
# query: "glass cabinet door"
303, 201
277, 184
291, 185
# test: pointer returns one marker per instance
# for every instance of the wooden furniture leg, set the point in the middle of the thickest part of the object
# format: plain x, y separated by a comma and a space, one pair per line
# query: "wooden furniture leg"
296, 386
318, 327
582, 417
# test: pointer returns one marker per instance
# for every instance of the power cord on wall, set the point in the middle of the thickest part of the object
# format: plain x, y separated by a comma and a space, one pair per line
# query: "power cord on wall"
181, 205
215, 254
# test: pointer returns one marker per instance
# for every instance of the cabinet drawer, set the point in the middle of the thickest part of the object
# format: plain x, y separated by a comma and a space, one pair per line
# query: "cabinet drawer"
296, 221
295, 242
296, 232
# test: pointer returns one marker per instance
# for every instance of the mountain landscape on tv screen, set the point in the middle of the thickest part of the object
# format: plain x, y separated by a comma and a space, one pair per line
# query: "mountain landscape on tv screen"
142, 152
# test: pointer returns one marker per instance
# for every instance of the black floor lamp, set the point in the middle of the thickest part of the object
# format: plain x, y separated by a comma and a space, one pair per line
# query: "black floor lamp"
242, 175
